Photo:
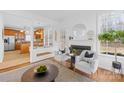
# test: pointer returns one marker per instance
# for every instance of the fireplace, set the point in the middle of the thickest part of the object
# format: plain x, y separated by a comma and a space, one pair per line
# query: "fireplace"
79, 48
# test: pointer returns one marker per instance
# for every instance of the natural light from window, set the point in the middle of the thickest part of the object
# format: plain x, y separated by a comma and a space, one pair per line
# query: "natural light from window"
109, 22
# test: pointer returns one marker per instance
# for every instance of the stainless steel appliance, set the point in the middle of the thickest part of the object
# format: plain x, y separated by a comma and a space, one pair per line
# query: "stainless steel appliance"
9, 43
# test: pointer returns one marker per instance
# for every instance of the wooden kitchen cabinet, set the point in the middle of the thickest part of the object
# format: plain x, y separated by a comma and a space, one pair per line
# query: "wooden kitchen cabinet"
17, 46
17, 33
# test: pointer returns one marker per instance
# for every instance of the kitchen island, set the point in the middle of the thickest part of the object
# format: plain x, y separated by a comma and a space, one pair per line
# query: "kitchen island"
24, 47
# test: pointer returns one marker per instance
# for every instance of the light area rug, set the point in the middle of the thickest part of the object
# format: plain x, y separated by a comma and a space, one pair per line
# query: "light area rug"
65, 74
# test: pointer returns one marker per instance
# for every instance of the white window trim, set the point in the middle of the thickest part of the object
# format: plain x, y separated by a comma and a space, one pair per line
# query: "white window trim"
98, 42
111, 56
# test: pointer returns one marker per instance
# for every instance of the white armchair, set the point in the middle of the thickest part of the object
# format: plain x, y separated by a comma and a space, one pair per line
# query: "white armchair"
61, 57
87, 65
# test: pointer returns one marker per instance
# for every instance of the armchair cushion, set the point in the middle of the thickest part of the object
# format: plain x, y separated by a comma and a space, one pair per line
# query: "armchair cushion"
82, 55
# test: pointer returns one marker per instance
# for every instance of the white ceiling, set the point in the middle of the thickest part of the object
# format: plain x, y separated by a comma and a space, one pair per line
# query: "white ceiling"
59, 15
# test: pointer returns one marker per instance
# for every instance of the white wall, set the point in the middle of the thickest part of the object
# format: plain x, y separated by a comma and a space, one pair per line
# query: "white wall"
1, 39
35, 52
105, 62
88, 18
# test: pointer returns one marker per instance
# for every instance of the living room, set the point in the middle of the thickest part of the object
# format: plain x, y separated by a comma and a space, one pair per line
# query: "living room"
63, 37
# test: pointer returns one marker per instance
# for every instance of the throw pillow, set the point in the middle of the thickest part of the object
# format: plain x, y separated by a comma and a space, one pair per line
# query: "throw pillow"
89, 55
86, 54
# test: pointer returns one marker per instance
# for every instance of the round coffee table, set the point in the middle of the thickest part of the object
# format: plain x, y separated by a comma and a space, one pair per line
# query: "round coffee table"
49, 76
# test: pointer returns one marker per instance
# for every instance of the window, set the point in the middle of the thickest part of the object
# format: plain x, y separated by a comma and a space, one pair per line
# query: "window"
110, 22
43, 37
48, 38
39, 37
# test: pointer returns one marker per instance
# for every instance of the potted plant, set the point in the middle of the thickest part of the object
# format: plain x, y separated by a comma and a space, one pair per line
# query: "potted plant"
112, 36
117, 36
74, 51
105, 37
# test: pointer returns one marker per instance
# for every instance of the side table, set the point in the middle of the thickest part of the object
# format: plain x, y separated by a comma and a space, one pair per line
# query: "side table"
72, 61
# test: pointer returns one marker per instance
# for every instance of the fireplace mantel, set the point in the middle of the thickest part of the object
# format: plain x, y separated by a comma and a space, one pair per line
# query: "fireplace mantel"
83, 43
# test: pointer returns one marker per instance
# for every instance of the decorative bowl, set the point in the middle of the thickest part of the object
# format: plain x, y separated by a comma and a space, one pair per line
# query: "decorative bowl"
40, 69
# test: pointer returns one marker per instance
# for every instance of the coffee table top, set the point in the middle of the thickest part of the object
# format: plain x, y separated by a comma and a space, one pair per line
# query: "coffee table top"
50, 75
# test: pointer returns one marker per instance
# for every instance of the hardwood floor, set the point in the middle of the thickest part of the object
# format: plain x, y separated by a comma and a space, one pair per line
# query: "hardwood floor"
13, 67
14, 58
103, 75
18, 66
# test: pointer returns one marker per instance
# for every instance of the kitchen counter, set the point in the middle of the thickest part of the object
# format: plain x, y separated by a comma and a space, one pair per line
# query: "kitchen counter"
24, 48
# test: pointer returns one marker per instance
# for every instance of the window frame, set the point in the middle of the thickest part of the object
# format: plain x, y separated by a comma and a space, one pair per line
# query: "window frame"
99, 31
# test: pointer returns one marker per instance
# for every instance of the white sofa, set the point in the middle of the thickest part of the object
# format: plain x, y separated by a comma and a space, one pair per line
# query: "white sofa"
87, 65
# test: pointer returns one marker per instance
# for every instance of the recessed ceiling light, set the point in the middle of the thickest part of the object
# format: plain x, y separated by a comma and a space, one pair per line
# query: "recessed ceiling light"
21, 31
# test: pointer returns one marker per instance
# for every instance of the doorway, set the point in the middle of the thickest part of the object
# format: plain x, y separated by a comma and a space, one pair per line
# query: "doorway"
16, 48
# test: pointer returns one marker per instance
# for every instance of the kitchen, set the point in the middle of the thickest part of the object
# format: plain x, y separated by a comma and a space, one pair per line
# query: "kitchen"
16, 47
15, 39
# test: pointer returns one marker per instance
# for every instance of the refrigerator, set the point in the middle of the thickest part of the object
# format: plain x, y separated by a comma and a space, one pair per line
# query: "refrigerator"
9, 43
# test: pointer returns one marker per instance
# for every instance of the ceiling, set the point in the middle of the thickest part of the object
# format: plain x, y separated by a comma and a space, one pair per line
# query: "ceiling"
56, 15
59, 15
